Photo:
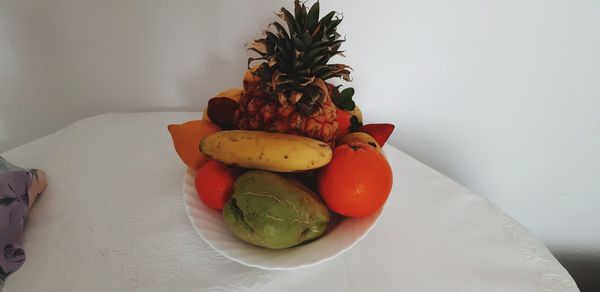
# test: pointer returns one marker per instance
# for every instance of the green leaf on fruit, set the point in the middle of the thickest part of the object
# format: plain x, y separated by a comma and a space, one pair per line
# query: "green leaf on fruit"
348, 105
343, 100
347, 93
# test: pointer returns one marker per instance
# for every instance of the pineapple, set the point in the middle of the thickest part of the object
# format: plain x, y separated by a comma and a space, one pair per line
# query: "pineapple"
287, 92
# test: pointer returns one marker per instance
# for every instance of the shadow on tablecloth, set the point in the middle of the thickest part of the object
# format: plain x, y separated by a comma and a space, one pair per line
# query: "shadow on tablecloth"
583, 267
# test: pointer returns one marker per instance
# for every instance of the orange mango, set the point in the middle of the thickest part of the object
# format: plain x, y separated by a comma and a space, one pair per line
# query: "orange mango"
186, 139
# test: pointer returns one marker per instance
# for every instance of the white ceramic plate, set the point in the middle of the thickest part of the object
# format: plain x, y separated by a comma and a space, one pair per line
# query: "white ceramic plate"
210, 225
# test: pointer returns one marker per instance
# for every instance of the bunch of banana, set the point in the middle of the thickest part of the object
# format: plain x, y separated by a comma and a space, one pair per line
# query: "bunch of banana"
266, 151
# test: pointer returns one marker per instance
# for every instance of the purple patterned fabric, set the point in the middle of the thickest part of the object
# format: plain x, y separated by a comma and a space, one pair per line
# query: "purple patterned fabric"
14, 208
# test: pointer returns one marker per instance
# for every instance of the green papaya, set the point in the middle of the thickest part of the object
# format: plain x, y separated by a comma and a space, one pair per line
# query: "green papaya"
275, 212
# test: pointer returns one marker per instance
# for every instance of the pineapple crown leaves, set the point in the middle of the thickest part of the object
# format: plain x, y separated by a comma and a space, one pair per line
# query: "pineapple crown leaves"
295, 58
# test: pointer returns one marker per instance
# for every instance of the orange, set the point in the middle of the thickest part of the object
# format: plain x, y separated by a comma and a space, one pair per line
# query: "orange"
214, 183
343, 119
186, 139
357, 181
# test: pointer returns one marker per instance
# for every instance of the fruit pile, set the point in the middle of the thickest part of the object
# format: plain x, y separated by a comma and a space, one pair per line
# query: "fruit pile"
287, 152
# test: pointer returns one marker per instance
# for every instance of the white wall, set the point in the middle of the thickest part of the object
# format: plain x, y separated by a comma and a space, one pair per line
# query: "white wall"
503, 96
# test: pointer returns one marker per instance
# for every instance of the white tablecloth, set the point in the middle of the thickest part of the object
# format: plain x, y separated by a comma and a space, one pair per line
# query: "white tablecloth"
113, 219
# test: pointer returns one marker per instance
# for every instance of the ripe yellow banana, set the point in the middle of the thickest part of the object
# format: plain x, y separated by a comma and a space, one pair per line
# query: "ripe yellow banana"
267, 151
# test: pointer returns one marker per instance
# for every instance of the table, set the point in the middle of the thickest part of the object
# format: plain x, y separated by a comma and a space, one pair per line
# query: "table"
113, 219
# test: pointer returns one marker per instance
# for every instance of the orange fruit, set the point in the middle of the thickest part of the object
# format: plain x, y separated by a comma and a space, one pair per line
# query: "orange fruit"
343, 119
186, 139
357, 181
214, 183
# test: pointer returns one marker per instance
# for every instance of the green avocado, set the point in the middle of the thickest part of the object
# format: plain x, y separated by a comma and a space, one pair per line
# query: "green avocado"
271, 211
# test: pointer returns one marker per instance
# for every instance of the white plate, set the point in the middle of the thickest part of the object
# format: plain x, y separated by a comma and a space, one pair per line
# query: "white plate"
210, 225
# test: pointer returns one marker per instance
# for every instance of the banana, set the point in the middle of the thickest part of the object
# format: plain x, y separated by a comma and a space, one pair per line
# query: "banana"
267, 151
